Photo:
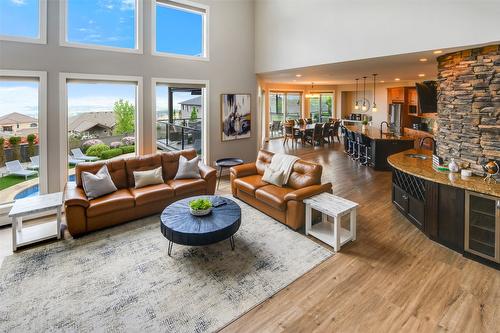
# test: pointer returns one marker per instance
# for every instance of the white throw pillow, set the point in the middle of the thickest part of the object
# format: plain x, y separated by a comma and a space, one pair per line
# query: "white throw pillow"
99, 184
148, 177
188, 168
273, 177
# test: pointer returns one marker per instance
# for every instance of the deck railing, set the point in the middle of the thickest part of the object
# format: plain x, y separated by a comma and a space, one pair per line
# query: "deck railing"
179, 134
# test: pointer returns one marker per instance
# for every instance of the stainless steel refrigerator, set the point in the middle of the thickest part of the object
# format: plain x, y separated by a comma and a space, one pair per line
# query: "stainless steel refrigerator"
394, 116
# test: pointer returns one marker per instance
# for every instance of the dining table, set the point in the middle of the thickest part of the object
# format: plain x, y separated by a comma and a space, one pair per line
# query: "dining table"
304, 128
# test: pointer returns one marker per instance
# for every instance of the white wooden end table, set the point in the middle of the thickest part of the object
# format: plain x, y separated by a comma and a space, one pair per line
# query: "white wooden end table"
35, 205
332, 234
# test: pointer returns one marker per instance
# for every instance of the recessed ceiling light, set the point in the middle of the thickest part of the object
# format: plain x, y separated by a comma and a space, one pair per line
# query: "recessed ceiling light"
397, 79
382, 81
421, 75
437, 52
298, 75
294, 80
422, 59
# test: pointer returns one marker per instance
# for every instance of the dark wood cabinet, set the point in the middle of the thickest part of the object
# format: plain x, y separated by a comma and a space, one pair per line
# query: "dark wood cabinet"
381, 149
451, 206
408, 194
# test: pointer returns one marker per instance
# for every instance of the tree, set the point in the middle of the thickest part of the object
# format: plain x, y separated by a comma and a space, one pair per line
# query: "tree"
194, 114
125, 117
31, 144
16, 149
2, 152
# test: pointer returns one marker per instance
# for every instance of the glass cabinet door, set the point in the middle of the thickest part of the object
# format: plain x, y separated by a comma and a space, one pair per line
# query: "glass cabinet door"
482, 225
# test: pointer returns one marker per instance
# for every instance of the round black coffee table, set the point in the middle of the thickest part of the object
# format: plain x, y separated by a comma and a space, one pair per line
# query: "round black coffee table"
179, 226
227, 163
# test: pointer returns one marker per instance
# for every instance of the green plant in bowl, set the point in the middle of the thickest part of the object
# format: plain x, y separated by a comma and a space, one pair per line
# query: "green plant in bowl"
200, 207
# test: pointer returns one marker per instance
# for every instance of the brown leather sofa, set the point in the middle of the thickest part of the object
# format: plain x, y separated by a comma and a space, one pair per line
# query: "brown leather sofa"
282, 203
128, 203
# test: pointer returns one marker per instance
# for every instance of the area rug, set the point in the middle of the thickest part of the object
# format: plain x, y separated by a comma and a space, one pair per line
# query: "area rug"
121, 279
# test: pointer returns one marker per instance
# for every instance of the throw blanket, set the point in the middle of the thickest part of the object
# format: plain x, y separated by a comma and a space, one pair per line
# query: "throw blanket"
283, 162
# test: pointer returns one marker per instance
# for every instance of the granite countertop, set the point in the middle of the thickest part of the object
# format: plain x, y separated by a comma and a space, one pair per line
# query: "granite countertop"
423, 169
374, 133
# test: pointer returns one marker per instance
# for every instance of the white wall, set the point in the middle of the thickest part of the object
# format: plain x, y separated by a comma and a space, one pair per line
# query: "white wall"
380, 99
300, 33
230, 70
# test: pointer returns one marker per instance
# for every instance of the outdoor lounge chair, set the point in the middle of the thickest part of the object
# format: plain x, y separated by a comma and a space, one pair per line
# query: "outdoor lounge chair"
35, 162
79, 155
73, 161
15, 168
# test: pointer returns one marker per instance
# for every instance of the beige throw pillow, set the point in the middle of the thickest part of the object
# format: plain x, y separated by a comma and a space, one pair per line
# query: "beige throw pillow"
188, 168
273, 177
99, 184
148, 177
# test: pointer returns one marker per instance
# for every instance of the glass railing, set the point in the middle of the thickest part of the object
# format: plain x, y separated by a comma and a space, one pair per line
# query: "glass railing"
179, 134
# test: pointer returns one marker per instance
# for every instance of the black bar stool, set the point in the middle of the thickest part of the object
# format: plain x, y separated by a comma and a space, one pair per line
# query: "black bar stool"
353, 149
364, 148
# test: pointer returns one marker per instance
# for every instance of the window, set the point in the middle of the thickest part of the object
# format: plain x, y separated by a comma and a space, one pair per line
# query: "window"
23, 147
102, 117
23, 20
105, 24
320, 107
283, 106
179, 29
179, 116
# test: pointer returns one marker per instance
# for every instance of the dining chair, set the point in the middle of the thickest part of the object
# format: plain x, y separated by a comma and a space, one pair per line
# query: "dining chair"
316, 136
301, 122
309, 120
334, 131
276, 127
291, 133
326, 132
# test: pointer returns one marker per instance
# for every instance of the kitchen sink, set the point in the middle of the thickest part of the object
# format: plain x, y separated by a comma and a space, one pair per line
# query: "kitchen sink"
420, 156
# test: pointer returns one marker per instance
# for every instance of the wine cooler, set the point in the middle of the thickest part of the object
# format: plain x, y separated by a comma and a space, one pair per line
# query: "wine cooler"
482, 225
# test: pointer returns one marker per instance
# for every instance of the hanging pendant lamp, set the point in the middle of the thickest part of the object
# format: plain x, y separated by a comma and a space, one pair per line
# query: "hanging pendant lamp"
356, 105
364, 107
374, 108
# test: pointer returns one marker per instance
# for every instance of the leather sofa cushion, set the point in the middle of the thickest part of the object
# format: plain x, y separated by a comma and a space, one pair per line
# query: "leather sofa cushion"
121, 199
273, 195
305, 174
141, 163
152, 193
116, 169
249, 184
263, 160
170, 162
184, 186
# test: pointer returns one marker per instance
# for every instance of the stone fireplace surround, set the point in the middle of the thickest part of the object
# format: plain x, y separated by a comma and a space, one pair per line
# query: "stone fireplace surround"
469, 106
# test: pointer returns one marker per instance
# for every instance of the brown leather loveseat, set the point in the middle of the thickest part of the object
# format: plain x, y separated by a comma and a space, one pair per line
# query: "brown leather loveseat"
282, 203
129, 203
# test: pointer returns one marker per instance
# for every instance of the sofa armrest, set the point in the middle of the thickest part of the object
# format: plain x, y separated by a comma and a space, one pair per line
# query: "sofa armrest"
207, 171
309, 191
243, 170
75, 196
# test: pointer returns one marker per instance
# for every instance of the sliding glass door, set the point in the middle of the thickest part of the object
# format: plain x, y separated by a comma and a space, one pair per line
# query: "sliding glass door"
283, 106
320, 107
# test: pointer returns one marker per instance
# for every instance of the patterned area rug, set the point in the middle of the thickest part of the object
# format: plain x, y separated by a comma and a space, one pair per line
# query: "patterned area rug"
121, 279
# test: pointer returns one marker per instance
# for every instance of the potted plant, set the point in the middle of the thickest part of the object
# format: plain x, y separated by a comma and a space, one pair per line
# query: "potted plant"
364, 124
200, 207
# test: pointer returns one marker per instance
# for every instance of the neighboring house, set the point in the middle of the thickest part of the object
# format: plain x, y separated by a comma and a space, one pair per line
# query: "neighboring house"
187, 107
17, 124
92, 123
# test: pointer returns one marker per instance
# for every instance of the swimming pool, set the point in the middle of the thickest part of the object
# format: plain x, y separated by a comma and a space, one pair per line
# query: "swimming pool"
35, 190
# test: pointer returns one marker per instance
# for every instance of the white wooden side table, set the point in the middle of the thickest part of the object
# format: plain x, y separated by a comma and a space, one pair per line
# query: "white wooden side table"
35, 205
332, 234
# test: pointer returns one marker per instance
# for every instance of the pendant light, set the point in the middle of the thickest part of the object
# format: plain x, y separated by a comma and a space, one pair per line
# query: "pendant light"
364, 108
374, 108
310, 94
356, 105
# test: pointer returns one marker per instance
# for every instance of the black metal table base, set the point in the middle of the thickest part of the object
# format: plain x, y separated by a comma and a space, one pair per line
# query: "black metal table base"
171, 245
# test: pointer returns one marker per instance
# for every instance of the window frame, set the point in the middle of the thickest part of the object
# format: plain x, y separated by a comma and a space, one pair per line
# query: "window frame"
139, 36
42, 28
285, 102
205, 119
321, 93
182, 5
42, 130
63, 113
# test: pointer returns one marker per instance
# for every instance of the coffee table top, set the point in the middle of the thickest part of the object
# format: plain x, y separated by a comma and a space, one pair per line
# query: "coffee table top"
229, 162
179, 226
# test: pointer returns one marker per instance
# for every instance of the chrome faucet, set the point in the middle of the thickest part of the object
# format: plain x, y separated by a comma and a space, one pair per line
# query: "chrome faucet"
433, 143
387, 124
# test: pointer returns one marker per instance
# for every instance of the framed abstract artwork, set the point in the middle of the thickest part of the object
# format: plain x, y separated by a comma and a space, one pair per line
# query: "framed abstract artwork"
236, 116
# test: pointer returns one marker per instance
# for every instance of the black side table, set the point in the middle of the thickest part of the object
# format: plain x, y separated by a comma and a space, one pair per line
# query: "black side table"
226, 163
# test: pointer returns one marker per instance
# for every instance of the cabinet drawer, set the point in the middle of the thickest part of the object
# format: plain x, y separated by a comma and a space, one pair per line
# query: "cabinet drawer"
400, 198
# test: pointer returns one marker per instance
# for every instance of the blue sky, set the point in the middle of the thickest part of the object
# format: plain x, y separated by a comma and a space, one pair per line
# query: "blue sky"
19, 18
19, 96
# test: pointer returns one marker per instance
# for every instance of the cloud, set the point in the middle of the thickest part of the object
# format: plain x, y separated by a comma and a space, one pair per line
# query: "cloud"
127, 5
18, 99
93, 103
18, 2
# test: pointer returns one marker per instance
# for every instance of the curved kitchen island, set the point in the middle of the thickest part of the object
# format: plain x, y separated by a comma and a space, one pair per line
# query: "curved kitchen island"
461, 214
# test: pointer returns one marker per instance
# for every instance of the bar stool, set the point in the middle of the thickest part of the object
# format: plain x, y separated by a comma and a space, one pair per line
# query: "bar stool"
364, 148
353, 149
343, 130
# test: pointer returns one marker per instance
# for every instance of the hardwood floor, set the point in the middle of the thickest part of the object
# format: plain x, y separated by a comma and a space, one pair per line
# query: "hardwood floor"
392, 278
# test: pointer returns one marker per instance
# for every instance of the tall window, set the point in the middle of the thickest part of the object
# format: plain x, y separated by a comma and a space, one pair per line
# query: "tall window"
22, 154
179, 117
283, 106
104, 24
102, 120
23, 20
321, 106
179, 29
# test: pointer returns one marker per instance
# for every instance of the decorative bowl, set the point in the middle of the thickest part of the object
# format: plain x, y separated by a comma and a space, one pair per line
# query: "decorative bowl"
200, 212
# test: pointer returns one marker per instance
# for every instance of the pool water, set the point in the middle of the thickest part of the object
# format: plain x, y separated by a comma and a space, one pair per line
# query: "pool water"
35, 190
